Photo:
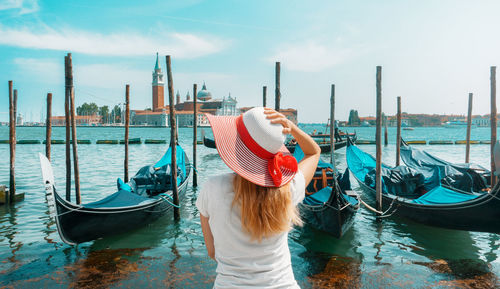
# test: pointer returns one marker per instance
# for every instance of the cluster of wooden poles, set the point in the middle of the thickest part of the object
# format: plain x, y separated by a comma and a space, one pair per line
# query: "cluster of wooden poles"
493, 124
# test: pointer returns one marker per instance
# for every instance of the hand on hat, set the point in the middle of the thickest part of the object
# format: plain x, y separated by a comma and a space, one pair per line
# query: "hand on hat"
277, 117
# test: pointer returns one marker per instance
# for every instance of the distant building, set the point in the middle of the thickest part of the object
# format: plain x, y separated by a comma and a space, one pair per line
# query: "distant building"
90, 120
205, 104
158, 87
228, 107
393, 121
481, 120
158, 115
19, 119
149, 118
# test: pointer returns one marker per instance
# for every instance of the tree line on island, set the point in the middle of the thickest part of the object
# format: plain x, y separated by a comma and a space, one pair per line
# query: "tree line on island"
108, 116
412, 119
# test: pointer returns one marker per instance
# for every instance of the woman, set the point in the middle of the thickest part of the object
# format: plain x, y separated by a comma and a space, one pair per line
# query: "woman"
246, 215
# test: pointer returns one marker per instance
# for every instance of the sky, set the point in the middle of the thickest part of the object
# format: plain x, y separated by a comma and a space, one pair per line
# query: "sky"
432, 53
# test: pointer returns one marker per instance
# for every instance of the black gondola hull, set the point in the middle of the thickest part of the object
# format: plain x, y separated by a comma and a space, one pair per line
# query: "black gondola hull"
325, 148
209, 143
328, 217
78, 224
82, 223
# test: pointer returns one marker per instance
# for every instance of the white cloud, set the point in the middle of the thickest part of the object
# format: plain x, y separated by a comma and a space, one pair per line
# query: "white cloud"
310, 56
44, 70
21, 6
179, 45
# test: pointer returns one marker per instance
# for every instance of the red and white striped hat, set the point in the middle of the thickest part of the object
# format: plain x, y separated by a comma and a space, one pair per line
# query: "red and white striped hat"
253, 147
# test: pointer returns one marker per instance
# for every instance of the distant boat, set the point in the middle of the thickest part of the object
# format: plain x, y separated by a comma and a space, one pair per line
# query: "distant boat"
209, 143
324, 135
457, 124
407, 128
325, 147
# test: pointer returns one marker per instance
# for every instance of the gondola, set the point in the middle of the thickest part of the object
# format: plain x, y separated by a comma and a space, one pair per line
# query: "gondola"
323, 135
209, 143
405, 193
467, 177
325, 147
145, 198
330, 205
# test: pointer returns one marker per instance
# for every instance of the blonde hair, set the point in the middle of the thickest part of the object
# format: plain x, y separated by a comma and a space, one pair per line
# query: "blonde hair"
265, 211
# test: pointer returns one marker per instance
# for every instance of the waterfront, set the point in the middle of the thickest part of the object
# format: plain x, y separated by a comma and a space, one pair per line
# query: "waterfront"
392, 253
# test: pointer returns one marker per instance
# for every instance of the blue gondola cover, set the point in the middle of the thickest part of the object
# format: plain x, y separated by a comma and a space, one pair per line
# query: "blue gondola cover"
120, 199
440, 195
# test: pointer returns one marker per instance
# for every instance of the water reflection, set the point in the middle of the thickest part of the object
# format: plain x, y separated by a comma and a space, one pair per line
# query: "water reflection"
10, 230
211, 156
432, 242
491, 255
462, 273
103, 268
116, 259
339, 272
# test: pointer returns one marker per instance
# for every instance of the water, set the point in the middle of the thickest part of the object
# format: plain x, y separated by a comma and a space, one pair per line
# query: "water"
392, 253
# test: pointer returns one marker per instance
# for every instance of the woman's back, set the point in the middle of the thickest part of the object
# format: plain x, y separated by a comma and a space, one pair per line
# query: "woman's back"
245, 217
241, 260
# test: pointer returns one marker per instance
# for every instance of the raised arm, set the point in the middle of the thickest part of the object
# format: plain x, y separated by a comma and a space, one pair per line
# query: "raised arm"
310, 148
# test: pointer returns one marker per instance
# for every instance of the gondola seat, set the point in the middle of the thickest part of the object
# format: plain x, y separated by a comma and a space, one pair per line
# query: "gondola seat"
440, 195
318, 198
121, 198
322, 178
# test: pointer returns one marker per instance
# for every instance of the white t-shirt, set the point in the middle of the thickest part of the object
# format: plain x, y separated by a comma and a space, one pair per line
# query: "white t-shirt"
242, 263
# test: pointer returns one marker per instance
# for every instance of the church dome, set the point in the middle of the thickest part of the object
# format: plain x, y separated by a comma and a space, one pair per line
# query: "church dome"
204, 94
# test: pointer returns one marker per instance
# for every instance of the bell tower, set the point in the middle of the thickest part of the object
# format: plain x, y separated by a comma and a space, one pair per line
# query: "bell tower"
158, 87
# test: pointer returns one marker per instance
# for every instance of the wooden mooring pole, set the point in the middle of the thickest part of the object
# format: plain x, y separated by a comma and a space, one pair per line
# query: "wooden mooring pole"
15, 108
127, 123
48, 126
195, 135
398, 134
332, 125
493, 120
264, 95
378, 179
74, 140
469, 123
173, 140
12, 146
277, 92
386, 139
67, 100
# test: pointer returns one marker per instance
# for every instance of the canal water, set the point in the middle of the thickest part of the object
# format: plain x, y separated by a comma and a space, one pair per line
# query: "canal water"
392, 253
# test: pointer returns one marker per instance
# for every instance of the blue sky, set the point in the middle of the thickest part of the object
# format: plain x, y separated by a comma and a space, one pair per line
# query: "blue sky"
433, 53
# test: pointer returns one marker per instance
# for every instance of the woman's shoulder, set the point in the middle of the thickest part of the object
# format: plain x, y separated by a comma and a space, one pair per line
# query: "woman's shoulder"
298, 187
219, 182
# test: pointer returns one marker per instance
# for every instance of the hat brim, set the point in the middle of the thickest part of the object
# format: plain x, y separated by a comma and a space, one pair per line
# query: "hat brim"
239, 157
